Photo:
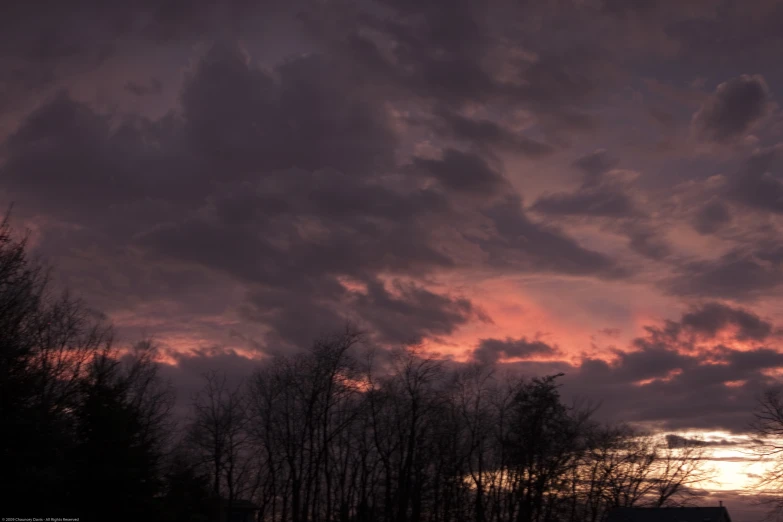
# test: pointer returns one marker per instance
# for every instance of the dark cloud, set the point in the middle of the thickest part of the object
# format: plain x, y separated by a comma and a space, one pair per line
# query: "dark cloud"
285, 198
757, 184
712, 389
47, 30
525, 245
753, 360
409, 313
647, 242
711, 217
463, 172
275, 177
763, 192
748, 32
44, 43
320, 302
437, 48
711, 318
657, 383
594, 165
154, 86
734, 108
598, 201
620, 8
738, 274
487, 133
313, 235
397, 313
598, 196
677, 441
652, 360
458, 55
241, 120
39, 46
491, 350
564, 80
666, 380
266, 223
81, 161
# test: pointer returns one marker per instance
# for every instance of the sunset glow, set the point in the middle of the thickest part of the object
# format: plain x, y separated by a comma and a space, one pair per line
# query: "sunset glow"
585, 187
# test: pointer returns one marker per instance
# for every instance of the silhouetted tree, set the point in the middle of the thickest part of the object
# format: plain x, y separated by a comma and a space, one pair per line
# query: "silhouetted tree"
407, 440
186, 491
219, 436
302, 408
46, 343
83, 430
768, 427
313, 437
114, 461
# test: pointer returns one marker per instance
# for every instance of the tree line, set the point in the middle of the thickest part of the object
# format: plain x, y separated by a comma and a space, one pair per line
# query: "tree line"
336, 432
325, 435
85, 425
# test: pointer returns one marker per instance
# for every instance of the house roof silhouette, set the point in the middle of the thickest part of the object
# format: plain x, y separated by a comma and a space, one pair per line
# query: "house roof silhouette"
678, 514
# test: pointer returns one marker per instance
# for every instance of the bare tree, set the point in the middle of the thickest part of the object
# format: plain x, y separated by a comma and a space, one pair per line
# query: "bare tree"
407, 440
474, 388
47, 342
121, 429
303, 407
767, 425
218, 434
680, 465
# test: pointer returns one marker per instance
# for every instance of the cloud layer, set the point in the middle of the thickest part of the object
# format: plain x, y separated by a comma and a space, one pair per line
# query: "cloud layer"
557, 186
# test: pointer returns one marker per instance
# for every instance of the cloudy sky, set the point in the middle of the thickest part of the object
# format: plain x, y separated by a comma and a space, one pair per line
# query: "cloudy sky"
586, 186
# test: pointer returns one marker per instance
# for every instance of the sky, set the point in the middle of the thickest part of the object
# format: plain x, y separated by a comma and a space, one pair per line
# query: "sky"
592, 187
